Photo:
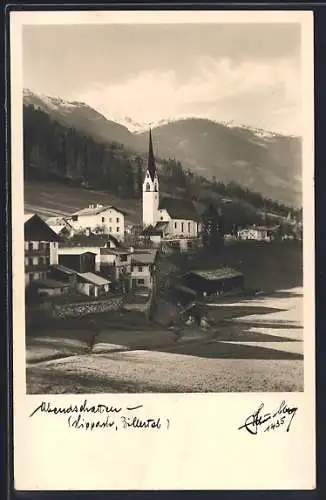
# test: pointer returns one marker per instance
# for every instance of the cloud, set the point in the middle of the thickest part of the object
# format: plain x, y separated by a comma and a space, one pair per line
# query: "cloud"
257, 93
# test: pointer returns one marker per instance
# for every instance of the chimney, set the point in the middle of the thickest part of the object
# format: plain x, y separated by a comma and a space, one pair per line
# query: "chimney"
91, 206
88, 231
131, 249
99, 205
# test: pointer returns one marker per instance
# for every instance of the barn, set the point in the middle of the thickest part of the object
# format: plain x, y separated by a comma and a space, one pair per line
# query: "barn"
214, 282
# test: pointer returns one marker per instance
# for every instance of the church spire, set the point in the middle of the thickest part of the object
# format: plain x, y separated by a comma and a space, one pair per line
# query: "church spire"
151, 160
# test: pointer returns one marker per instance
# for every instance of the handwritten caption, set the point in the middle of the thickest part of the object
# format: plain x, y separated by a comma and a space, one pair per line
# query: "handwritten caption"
89, 417
260, 421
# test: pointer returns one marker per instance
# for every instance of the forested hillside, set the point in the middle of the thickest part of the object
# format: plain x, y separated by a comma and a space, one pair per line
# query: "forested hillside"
54, 152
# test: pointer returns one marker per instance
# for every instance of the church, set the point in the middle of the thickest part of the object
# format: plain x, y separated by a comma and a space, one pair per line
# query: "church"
167, 218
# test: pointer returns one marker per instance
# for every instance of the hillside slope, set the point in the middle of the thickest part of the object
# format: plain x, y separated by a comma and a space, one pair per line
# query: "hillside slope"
269, 164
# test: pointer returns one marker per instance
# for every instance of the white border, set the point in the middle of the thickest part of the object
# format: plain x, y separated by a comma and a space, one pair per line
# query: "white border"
203, 449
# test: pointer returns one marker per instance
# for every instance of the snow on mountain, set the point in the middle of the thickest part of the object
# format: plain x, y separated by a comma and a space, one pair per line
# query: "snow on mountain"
51, 103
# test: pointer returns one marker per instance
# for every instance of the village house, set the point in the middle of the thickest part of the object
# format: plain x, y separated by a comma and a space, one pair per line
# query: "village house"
61, 226
92, 285
49, 287
41, 248
80, 244
79, 280
168, 218
83, 262
211, 283
99, 219
143, 268
258, 233
116, 264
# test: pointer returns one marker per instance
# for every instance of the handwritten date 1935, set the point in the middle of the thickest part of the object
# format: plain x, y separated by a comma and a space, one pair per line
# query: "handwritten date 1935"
259, 420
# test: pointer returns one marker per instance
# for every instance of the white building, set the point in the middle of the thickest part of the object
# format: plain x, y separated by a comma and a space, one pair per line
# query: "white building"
258, 233
143, 268
99, 219
61, 226
41, 248
79, 244
169, 217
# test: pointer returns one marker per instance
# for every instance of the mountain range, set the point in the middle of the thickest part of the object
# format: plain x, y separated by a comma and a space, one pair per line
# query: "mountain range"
260, 160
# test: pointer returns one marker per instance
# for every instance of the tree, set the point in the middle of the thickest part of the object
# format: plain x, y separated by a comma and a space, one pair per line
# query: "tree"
212, 234
139, 175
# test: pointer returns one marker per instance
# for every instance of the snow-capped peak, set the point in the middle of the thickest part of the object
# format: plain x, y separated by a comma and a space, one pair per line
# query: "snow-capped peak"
54, 103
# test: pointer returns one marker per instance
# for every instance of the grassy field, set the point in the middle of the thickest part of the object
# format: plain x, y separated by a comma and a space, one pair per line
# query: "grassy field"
51, 198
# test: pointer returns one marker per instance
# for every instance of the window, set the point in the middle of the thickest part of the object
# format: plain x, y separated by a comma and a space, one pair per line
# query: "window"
118, 229
47, 246
188, 227
155, 187
30, 262
148, 187
123, 258
103, 219
110, 219
141, 282
140, 269
74, 218
117, 219
110, 229
161, 218
30, 245
175, 225
182, 224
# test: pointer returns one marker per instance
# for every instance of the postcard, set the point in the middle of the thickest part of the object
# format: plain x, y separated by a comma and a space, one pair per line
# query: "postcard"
162, 171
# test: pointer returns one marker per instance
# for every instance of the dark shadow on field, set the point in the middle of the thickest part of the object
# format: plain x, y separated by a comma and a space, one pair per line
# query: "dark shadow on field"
261, 324
221, 350
246, 335
223, 313
284, 294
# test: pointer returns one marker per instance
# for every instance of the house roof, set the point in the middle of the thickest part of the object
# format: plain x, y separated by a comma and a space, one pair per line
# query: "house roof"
63, 269
27, 217
77, 251
49, 283
58, 221
94, 279
36, 229
185, 289
259, 228
97, 210
151, 231
216, 274
114, 251
93, 240
179, 208
145, 257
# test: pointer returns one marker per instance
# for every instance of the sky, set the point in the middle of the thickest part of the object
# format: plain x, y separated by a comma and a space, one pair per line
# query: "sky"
246, 73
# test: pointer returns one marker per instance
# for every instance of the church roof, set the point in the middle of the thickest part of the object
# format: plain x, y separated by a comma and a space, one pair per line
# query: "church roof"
179, 208
151, 167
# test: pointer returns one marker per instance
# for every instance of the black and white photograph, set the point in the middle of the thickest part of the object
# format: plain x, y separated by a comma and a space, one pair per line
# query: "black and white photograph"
163, 249
163, 208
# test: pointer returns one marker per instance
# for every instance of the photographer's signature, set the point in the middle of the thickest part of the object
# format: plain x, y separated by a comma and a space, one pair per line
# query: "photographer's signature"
263, 421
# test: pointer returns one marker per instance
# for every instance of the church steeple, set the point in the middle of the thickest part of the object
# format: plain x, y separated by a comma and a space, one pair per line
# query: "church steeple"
150, 189
151, 160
